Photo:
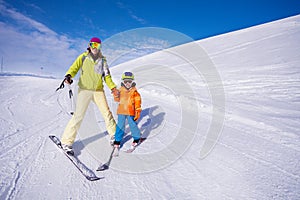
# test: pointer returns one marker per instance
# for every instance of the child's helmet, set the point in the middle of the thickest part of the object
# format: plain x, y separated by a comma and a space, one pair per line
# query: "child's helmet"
128, 75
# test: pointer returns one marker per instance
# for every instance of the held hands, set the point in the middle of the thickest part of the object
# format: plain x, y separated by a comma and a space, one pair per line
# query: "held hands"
115, 92
68, 79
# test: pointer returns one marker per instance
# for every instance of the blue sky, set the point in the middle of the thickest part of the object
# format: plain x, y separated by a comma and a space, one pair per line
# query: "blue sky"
52, 33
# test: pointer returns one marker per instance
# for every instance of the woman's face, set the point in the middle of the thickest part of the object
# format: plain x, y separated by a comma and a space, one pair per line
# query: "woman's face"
94, 51
95, 47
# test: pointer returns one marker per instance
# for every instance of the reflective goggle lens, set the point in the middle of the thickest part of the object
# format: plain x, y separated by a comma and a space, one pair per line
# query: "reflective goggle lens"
95, 45
127, 81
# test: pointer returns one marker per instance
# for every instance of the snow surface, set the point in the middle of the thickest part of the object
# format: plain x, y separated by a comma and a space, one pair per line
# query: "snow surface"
255, 156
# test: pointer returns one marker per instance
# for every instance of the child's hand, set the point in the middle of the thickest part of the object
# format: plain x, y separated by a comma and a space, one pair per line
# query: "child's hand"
115, 92
137, 115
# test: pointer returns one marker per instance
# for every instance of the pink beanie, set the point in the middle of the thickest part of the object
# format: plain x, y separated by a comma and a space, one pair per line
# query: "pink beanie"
95, 39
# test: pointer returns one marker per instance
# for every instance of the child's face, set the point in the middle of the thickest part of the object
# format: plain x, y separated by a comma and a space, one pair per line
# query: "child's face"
128, 83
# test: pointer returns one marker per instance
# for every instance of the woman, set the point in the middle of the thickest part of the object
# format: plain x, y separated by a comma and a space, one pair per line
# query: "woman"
93, 70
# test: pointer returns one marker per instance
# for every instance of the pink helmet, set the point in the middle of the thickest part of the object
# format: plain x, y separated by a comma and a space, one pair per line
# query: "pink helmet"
95, 39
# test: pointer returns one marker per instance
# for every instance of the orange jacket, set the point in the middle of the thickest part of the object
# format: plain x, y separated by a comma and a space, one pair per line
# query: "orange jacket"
129, 101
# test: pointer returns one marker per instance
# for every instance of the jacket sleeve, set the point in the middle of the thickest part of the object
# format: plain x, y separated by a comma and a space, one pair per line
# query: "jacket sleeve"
75, 66
109, 82
137, 101
106, 73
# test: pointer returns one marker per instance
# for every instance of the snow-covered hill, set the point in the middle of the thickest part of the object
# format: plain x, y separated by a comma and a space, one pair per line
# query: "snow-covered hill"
221, 125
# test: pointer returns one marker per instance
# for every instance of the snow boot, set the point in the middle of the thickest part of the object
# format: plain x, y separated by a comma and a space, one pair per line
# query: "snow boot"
134, 144
117, 150
116, 145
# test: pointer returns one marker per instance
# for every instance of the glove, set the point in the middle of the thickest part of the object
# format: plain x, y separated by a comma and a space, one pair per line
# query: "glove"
137, 115
115, 92
68, 79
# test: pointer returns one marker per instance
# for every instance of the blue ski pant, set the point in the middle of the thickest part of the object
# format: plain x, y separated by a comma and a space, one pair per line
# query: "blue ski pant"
120, 128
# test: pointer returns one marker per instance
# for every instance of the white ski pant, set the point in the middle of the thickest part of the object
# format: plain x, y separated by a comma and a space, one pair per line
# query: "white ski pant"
83, 100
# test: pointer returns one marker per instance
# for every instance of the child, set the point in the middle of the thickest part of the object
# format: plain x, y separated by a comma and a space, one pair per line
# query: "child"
129, 108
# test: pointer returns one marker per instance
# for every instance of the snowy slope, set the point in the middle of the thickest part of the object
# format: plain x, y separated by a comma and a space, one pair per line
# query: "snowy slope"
256, 155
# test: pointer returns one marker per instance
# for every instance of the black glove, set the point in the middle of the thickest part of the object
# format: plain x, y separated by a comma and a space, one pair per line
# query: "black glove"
68, 79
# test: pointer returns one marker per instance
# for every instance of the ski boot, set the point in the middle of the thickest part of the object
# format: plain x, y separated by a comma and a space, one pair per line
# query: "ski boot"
68, 149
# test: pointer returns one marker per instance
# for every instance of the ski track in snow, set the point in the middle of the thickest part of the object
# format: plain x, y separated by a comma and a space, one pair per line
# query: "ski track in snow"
26, 143
256, 156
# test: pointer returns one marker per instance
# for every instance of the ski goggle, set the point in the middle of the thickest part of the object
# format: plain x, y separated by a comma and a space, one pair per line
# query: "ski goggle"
127, 81
95, 45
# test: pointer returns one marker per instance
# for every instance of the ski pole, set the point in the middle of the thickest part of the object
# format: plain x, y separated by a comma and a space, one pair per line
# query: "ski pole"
61, 86
105, 166
71, 98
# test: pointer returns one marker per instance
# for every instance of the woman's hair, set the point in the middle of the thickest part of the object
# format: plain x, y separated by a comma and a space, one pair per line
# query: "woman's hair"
89, 50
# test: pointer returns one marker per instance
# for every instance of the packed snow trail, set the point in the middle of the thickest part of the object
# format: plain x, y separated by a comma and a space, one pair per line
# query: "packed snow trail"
256, 156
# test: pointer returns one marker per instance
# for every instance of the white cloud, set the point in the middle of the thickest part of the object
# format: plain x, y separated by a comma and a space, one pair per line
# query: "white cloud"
35, 7
130, 12
27, 45
18, 17
133, 16
130, 45
138, 42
